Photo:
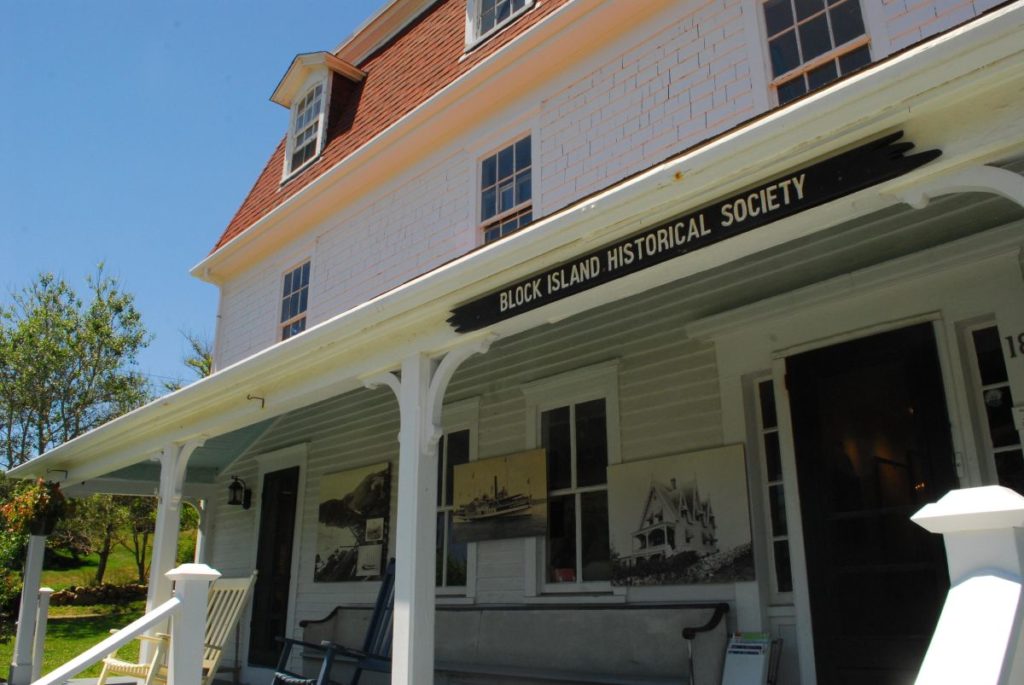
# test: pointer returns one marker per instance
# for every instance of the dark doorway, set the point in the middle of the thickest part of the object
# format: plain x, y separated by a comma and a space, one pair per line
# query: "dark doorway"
873, 446
274, 563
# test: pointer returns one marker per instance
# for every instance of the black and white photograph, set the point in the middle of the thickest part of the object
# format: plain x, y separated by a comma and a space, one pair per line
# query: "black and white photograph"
503, 497
352, 523
681, 519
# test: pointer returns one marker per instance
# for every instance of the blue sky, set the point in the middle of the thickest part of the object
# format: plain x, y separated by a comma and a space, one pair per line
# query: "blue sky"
131, 131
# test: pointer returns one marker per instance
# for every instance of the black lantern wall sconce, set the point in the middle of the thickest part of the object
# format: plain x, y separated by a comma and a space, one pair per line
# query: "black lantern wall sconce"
239, 494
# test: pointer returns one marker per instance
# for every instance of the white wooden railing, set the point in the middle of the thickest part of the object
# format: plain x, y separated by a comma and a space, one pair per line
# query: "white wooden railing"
980, 635
187, 613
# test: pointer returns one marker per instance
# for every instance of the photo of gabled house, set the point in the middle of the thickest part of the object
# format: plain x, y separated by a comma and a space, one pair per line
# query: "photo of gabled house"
615, 231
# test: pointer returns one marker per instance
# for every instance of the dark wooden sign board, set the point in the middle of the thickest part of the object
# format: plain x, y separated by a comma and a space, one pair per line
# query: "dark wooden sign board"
797, 191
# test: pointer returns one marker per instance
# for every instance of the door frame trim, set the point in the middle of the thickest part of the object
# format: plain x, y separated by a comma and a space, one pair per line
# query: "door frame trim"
268, 462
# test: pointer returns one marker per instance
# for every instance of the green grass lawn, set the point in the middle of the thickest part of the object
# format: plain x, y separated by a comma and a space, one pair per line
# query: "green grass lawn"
72, 630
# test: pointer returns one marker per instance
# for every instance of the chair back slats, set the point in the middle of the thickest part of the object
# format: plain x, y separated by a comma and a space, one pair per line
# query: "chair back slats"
378, 634
227, 599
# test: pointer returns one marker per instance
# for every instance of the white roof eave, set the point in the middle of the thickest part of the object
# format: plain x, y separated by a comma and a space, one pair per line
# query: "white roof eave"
330, 357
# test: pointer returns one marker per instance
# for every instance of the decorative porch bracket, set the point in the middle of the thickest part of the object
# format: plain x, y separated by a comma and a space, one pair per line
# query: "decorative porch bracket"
976, 179
979, 637
173, 463
420, 391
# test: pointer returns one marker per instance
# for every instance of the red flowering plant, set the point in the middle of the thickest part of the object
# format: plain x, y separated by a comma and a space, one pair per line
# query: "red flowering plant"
34, 508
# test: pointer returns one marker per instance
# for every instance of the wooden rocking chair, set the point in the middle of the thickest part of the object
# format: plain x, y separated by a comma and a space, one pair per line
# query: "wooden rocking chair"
228, 596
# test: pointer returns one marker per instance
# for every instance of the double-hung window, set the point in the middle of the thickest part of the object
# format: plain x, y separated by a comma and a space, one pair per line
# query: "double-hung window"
454, 570
485, 17
813, 42
506, 190
306, 133
1001, 439
294, 300
575, 419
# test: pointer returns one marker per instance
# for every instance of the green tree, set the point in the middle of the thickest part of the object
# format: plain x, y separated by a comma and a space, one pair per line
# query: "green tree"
66, 364
100, 518
135, 536
198, 358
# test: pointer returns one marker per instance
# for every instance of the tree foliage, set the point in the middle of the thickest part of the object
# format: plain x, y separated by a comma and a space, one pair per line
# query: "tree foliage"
66, 363
198, 358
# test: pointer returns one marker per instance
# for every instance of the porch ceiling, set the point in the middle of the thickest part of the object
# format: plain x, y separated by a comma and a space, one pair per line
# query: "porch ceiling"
935, 92
205, 465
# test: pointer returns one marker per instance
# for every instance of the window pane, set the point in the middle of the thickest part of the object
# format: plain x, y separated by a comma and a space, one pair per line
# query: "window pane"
523, 186
1010, 467
989, 350
555, 439
782, 570
287, 284
505, 162
303, 299
305, 274
458, 453
805, 8
596, 555
284, 310
814, 38
826, 73
488, 173
766, 395
857, 59
562, 539
847, 23
523, 153
778, 15
488, 204
491, 234
506, 196
791, 90
503, 10
784, 53
591, 444
777, 503
1000, 418
772, 456
455, 562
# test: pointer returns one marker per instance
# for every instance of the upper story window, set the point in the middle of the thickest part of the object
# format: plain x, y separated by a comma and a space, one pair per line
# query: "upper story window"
306, 135
294, 300
992, 382
506, 193
485, 17
813, 42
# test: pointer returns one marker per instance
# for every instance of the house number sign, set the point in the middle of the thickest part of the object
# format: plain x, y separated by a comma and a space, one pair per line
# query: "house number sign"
845, 173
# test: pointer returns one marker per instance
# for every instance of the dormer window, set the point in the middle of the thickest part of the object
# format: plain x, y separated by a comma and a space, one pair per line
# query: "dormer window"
307, 132
306, 91
485, 17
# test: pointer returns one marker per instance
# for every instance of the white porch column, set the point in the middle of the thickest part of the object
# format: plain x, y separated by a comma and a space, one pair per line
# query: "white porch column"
42, 615
979, 638
202, 531
192, 586
24, 641
173, 461
420, 398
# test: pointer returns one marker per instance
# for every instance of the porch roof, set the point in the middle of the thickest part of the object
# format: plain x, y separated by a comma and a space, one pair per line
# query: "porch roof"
934, 92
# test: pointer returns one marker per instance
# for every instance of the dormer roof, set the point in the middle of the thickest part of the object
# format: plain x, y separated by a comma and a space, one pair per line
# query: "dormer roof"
305, 64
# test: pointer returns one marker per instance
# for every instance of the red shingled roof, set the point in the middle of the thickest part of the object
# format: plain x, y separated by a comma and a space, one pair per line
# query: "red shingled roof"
411, 67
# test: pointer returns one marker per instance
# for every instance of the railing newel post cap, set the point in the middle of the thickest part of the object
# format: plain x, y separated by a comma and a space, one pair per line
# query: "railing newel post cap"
990, 507
193, 572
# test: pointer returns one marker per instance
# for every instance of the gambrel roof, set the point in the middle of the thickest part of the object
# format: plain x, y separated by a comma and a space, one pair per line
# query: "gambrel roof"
424, 57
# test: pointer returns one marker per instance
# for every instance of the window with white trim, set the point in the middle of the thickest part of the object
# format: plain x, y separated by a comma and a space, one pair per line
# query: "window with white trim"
305, 139
1002, 440
813, 42
775, 496
506, 190
294, 300
574, 417
485, 17
452, 557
